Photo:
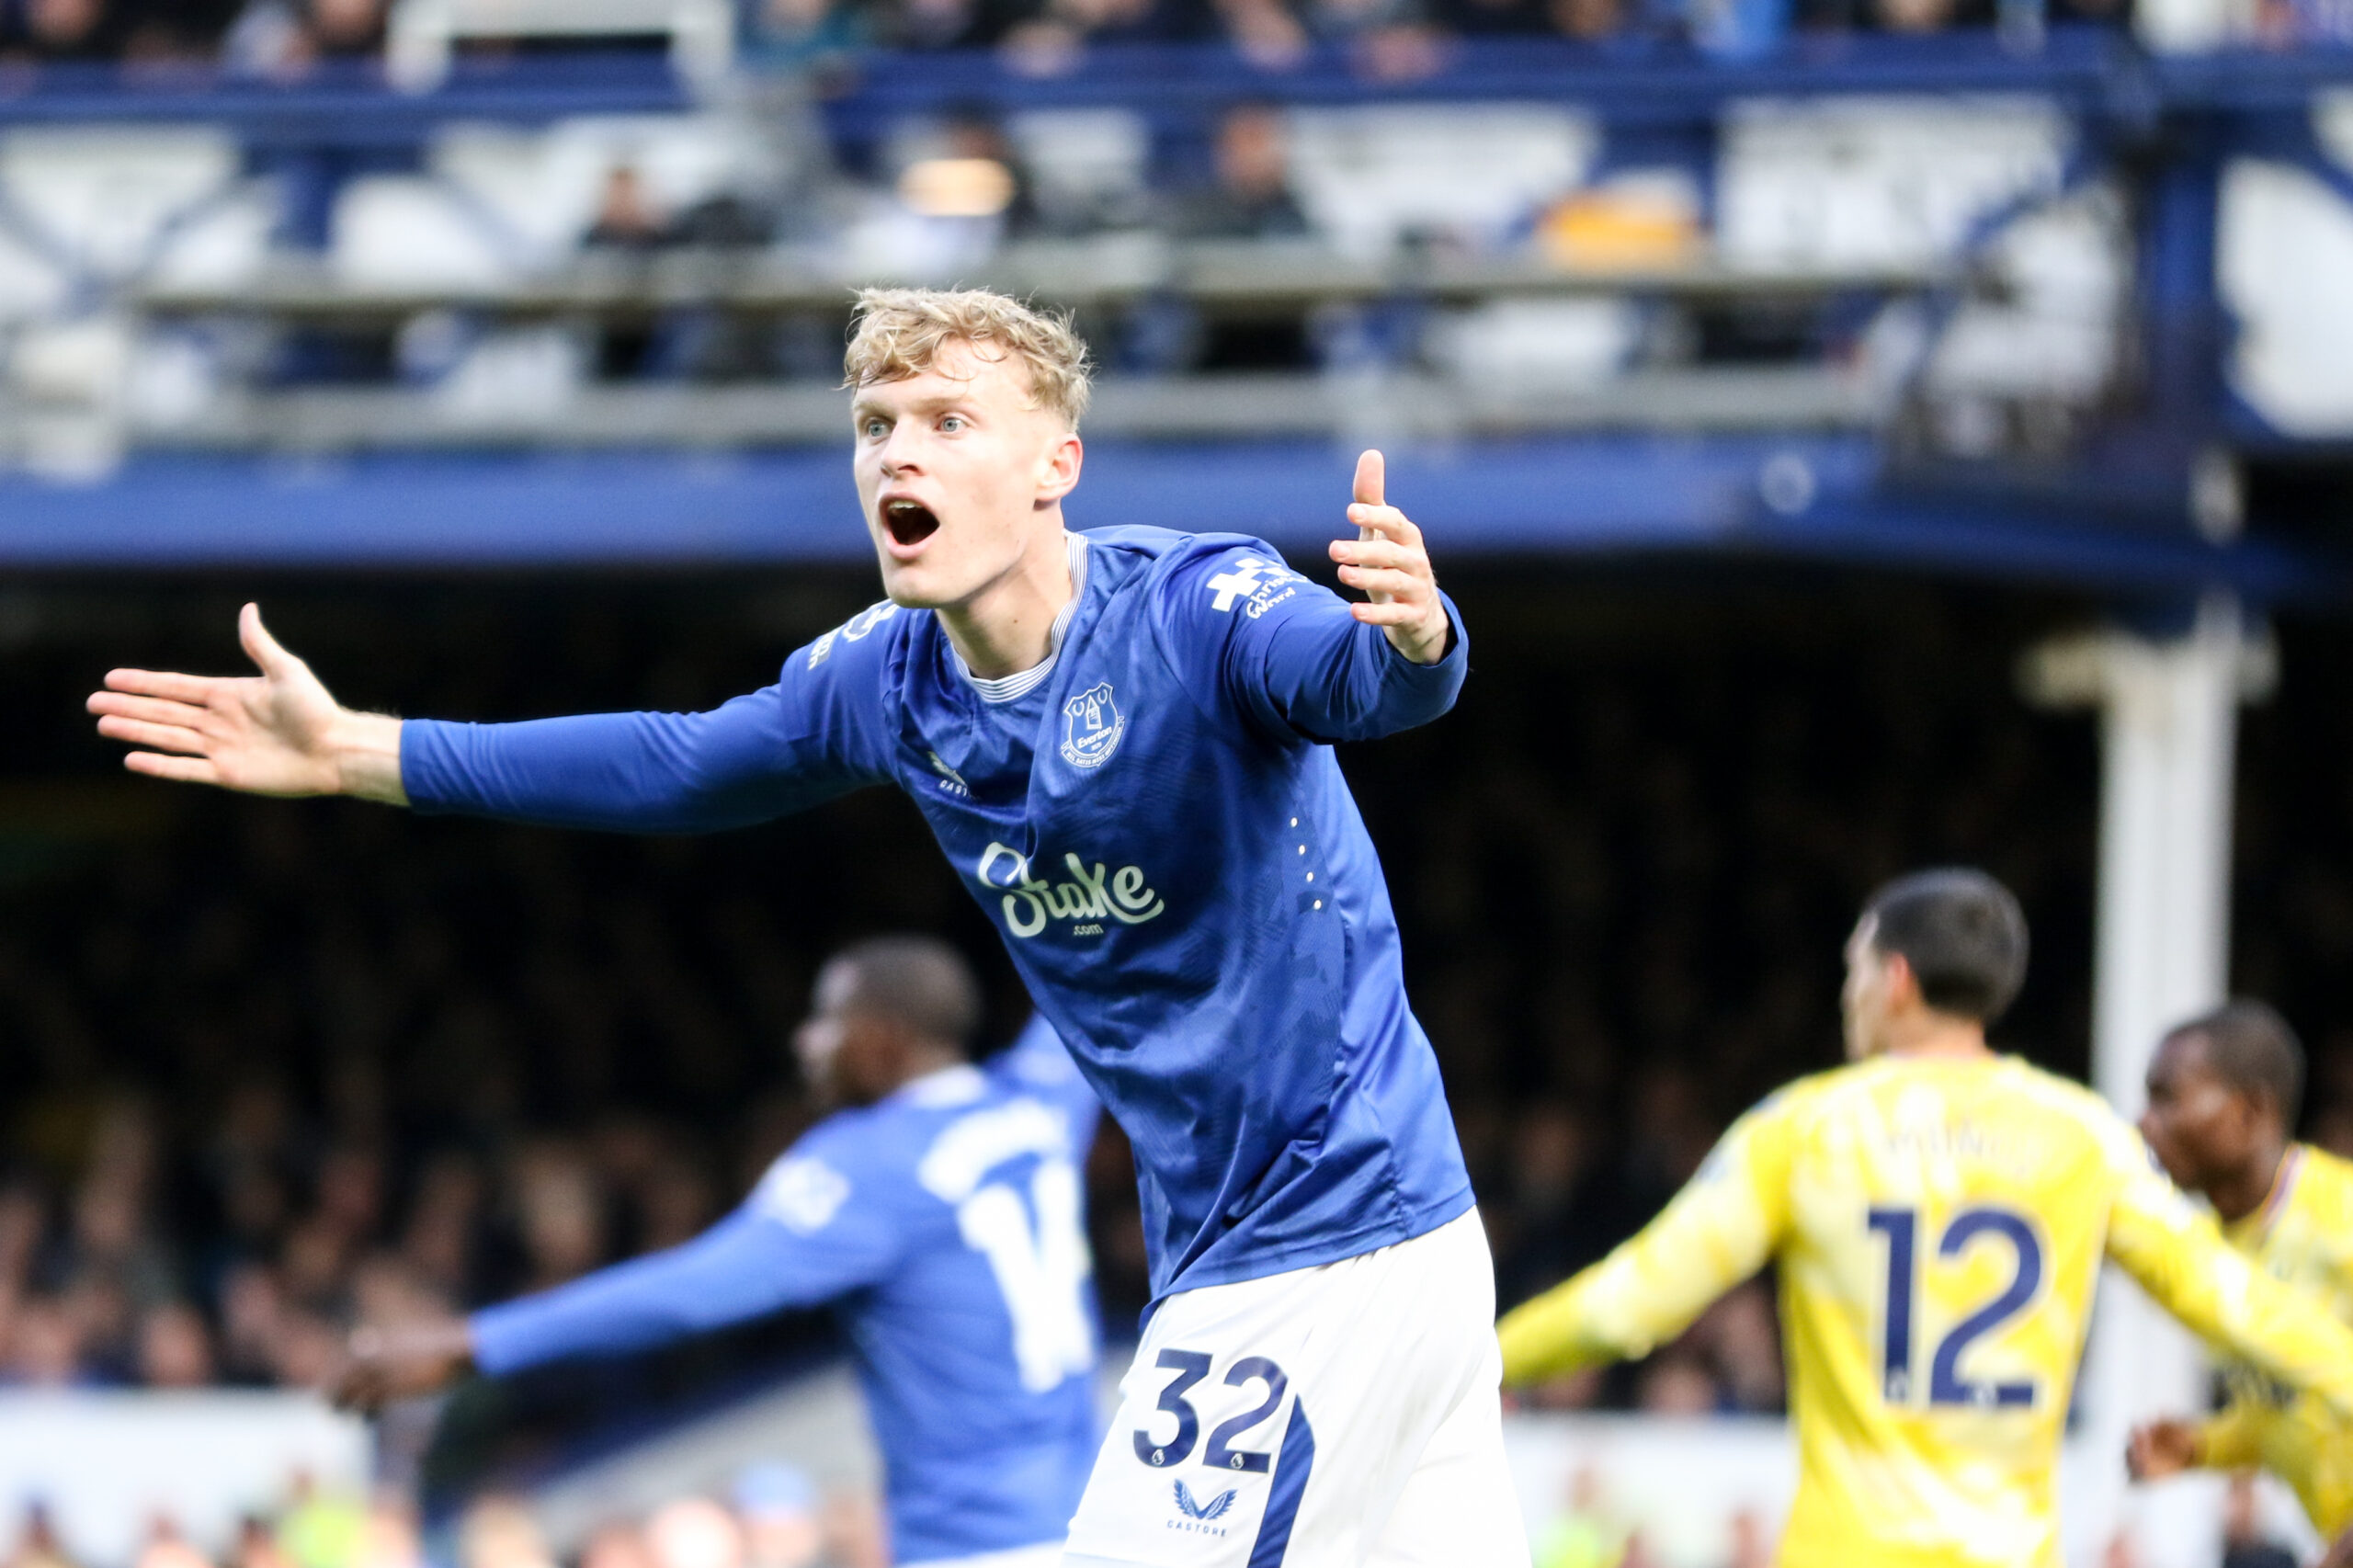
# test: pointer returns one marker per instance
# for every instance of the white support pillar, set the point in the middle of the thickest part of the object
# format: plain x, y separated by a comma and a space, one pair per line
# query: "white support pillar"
2169, 712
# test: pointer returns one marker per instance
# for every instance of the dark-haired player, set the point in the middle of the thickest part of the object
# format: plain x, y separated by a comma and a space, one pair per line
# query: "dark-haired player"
937, 1210
1938, 1214
2223, 1090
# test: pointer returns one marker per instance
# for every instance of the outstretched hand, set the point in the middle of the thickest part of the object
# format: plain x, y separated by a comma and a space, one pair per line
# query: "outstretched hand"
380, 1365
2159, 1449
275, 733
1388, 560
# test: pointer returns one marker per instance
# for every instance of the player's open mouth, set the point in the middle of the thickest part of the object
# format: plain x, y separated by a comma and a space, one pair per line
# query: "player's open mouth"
910, 522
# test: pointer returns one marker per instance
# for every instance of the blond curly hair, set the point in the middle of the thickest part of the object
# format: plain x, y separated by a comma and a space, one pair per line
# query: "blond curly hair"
898, 333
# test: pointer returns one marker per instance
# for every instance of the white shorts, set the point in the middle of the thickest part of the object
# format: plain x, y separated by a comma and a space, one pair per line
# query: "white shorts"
1340, 1416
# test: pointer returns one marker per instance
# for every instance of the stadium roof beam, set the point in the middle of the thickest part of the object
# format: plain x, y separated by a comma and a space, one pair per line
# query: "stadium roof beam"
1273, 278
323, 420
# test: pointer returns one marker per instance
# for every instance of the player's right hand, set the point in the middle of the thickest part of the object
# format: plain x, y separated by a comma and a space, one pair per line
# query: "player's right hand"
275, 733
380, 1365
2161, 1449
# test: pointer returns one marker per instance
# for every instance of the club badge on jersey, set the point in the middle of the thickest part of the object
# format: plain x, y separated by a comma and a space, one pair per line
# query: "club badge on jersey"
1091, 727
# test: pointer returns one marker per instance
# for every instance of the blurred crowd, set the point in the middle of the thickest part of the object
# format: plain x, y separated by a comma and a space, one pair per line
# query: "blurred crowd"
275, 1067
278, 38
1394, 38
770, 1515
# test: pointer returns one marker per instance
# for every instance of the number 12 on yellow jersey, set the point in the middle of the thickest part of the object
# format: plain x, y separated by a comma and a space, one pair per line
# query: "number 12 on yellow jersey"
1988, 1224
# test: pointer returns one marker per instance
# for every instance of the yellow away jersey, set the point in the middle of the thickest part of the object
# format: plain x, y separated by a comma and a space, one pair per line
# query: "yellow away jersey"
2303, 1236
1940, 1223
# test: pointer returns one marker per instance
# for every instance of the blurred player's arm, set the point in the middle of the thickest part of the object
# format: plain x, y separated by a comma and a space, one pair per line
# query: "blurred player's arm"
2232, 1438
1719, 1230
2178, 1255
2229, 1440
798, 1240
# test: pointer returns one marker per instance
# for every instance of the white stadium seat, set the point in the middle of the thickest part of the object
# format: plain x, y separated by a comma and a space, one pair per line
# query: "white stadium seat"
514, 378
32, 284
1368, 175
1537, 346
2055, 334
1876, 183
544, 186
106, 200
220, 244
1082, 158
407, 233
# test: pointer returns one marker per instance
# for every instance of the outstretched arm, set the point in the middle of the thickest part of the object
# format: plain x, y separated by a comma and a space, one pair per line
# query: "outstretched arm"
278, 732
1300, 660
2179, 1257
2232, 1440
1718, 1230
802, 1238
815, 734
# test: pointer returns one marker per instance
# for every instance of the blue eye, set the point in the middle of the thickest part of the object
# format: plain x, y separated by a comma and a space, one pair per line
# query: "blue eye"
952, 422
873, 427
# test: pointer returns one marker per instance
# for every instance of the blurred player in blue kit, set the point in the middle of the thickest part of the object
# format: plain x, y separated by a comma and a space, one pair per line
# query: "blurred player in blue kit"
1122, 741
939, 1210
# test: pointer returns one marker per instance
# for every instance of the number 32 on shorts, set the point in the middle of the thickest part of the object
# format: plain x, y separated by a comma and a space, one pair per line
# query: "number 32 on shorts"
1192, 1366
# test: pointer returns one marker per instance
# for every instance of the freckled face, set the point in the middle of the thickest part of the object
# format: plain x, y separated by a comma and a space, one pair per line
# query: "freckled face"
956, 473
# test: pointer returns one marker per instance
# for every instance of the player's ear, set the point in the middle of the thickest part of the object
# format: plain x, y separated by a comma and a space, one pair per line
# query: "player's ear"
1058, 468
1901, 983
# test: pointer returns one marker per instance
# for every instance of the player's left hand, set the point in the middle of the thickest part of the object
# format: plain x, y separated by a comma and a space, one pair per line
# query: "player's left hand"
380, 1365
1388, 562
2160, 1448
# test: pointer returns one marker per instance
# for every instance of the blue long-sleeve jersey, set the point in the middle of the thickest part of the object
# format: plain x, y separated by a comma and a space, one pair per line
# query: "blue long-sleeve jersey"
946, 1225
1154, 821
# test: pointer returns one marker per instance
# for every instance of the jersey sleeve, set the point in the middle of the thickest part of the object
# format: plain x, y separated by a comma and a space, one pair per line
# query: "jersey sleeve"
2178, 1255
1290, 656
1719, 1230
2232, 1439
1037, 1062
805, 1236
819, 731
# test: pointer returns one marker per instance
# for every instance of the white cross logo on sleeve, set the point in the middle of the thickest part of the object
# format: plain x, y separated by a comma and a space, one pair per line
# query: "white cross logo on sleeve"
1242, 581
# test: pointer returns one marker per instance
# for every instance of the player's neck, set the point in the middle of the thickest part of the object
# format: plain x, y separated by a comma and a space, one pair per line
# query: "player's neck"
2249, 1188
1929, 1033
1009, 625
922, 1065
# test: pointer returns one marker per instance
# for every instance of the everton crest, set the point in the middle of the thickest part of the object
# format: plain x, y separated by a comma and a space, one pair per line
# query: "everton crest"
1091, 727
